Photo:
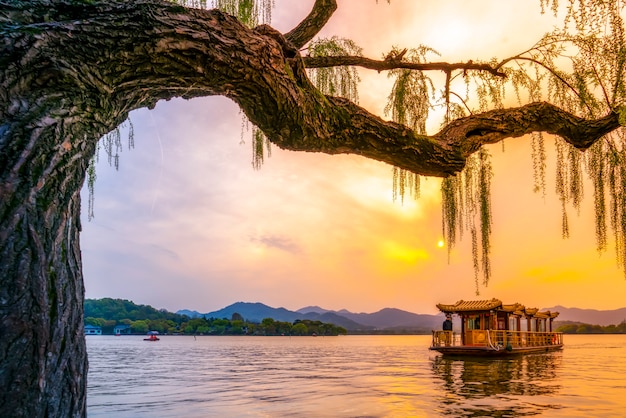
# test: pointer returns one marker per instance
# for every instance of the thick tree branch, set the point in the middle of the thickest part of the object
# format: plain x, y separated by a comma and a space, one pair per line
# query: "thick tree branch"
391, 64
472, 132
313, 23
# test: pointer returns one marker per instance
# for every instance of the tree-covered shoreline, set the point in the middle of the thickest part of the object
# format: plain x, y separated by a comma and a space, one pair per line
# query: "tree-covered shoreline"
108, 313
583, 328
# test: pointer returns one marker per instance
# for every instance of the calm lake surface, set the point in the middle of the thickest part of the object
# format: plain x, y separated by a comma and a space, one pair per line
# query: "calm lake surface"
348, 376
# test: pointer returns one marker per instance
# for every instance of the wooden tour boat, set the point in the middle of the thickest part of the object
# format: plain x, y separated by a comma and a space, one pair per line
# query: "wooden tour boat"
490, 328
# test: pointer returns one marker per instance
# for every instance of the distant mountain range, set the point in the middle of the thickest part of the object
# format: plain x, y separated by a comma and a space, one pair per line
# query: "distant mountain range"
589, 316
387, 319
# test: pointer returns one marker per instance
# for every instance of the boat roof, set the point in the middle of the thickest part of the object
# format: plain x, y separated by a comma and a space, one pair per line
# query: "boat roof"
518, 309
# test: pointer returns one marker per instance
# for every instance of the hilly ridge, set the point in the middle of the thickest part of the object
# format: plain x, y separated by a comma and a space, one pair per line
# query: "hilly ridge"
590, 316
385, 319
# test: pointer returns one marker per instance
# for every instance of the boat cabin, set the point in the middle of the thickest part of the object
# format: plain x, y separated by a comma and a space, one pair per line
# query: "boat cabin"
489, 326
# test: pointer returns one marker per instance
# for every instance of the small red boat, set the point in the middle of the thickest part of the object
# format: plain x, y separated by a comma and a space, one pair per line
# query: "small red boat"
152, 336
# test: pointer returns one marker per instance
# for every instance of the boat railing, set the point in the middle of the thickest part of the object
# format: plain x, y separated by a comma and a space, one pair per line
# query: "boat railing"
496, 338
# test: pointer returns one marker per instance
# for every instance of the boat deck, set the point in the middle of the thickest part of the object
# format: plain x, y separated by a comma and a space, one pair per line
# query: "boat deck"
495, 342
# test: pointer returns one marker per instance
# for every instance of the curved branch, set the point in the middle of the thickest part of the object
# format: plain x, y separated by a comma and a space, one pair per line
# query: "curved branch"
472, 132
547, 68
313, 23
385, 65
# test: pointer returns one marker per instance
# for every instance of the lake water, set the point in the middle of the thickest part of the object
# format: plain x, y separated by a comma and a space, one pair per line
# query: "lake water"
348, 376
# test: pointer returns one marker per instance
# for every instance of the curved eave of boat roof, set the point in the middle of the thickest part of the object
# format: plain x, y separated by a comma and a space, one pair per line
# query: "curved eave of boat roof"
470, 305
487, 305
546, 314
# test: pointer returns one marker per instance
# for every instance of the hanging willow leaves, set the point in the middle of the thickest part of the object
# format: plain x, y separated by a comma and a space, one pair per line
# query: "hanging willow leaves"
561, 185
484, 198
409, 103
335, 81
260, 148
249, 12
112, 144
91, 183
449, 210
576, 187
597, 168
539, 162
594, 85
619, 205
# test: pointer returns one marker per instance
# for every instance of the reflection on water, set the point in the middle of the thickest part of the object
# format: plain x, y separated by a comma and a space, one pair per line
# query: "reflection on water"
497, 387
353, 376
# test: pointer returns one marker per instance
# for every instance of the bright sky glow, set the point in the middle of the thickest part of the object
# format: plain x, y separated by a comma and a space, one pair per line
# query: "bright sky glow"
187, 222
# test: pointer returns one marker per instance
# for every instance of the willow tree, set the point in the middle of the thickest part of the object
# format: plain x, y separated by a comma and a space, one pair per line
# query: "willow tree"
72, 70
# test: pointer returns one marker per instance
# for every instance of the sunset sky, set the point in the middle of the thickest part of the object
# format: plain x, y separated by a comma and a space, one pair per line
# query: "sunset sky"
187, 222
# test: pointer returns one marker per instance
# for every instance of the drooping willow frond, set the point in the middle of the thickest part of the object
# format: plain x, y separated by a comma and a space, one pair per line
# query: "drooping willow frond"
249, 12
539, 162
91, 184
485, 175
260, 148
449, 209
582, 72
466, 205
405, 183
335, 81
112, 144
606, 165
598, 170
409, 103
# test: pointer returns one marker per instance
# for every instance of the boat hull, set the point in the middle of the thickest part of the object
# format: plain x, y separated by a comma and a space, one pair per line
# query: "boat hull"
482, 351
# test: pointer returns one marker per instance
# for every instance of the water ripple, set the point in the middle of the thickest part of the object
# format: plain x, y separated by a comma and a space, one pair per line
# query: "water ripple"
354, 376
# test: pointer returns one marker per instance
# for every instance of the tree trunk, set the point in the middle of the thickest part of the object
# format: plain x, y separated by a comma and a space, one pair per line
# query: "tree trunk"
45, 147
44, 152
43, 367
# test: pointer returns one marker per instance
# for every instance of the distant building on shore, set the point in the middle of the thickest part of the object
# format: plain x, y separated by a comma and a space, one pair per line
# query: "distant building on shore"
93, 330
121, 330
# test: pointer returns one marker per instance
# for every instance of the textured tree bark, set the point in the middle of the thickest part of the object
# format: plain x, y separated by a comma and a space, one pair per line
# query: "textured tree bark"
70, 71
43, 157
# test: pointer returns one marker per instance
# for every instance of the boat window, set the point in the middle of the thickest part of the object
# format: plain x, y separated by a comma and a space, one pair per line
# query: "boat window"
542, 325
524, 325
501, 318
473, 322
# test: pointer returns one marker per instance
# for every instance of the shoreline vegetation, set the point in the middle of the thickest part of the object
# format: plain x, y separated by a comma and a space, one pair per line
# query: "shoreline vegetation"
108, 313
568, 327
